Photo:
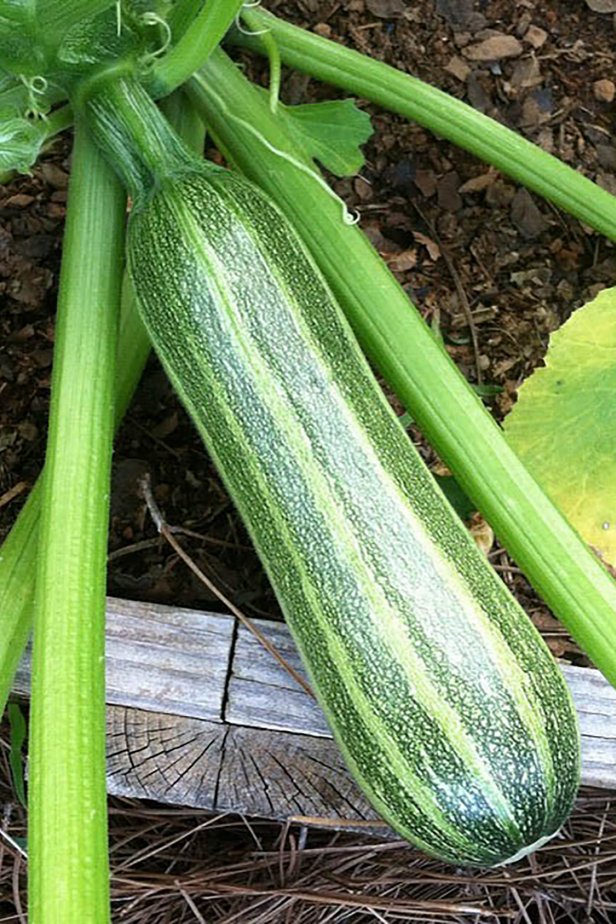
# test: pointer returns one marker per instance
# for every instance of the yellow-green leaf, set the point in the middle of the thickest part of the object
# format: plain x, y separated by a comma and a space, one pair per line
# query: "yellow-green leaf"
564, 423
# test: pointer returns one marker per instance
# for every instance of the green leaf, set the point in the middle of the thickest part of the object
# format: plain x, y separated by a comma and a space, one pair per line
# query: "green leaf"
21, 140
54, 37
17, 727
19, 52
95, 39
330, 132
564, 424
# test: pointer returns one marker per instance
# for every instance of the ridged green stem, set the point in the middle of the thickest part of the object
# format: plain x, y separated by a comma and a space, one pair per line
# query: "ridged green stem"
394, 335
19, 550
442, 114
67, 819
194, 46
137, 141
185, 119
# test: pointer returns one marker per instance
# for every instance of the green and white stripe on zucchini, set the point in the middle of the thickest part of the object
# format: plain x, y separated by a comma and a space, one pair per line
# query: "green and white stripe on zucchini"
462, 748
446, 704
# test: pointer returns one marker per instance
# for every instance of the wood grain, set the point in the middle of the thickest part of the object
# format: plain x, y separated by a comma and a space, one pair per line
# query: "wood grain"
261, 694
279, 774
169, 758
595, 702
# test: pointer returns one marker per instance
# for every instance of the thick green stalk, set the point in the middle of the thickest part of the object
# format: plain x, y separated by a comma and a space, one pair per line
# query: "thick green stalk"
57, 122
143, 151
19, 550
68, 865
394, 335
17, 570
195, 45
442, 114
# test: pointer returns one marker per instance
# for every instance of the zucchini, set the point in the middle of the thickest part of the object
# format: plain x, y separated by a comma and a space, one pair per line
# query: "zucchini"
446, 704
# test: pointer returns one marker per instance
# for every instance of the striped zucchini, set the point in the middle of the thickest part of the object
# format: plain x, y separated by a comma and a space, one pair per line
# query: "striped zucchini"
448, 708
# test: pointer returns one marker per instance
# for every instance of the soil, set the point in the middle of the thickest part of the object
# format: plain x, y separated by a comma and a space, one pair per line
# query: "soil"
452, 229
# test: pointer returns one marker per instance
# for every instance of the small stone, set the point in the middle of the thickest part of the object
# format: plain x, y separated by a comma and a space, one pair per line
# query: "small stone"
606, 155
54, 175
27, 430
535, 36
403, 262
604, 90
323, 29
478, 96
425, 181
19, 201
526, 74
447, 192
386, 9
499, 194
458, 68
537, 108
523, 23
457, 13
607, 181
494, 48
602, 6
434, 251
461, 39
363, 189
545, 139
565, 291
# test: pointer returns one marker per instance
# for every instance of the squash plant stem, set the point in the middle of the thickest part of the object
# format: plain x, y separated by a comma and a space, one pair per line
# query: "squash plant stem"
18, 553
67, 819
440, 113
195, 44
395, 337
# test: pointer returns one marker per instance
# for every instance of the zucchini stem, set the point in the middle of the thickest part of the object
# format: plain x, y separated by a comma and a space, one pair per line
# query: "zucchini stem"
132, 133
194, 46
67, 792
19, 550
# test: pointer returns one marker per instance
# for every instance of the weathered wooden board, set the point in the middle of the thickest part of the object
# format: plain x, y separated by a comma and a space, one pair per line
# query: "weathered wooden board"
261, 694
226, 768
201, 714
163, 659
